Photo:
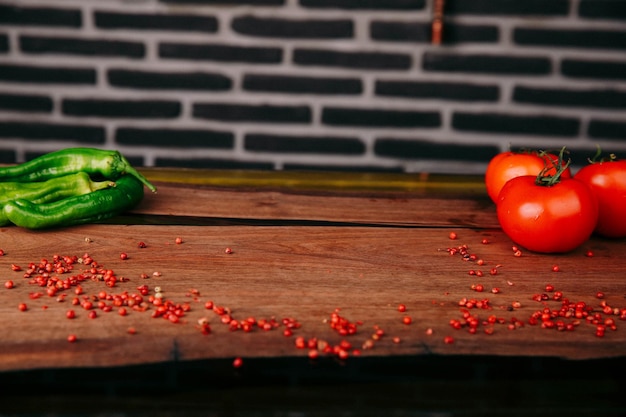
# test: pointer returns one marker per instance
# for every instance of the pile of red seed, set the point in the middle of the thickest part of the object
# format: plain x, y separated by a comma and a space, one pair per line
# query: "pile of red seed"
566, 316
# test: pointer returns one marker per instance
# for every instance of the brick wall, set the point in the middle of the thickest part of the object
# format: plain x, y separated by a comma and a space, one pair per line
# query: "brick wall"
312, 84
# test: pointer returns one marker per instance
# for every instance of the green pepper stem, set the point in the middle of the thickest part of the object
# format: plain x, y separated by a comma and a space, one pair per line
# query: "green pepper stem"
128, 169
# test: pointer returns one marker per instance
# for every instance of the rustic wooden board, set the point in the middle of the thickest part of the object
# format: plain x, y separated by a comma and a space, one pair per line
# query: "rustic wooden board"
304, 273
397, 208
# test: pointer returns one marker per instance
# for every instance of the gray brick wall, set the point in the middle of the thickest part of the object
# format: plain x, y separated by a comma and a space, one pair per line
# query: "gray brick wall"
312, 84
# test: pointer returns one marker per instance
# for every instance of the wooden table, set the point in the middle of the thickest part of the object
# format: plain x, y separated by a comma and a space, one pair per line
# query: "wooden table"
316, 256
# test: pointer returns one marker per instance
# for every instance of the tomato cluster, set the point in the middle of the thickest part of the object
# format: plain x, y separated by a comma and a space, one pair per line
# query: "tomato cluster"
544, 208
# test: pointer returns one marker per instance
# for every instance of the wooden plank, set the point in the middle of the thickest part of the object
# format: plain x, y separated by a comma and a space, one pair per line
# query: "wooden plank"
305, 274
326, 181
370, 207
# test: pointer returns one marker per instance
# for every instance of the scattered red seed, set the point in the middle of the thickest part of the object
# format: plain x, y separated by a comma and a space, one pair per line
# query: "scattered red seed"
452, 236
300, 342
478, 287
22, 307
237, 362
141, 245
600, 295
123, 256
401, 308
407, 320
72, 338
228, 251
132, 330
9, 284
555, 268
70, 314
178, 240
448, 340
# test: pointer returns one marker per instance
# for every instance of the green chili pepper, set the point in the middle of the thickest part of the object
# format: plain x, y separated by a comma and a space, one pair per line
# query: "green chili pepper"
106, 163
48, 191
87, 208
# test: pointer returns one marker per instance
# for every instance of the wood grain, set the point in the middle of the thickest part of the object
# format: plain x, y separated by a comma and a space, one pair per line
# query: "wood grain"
382, 208
300, 272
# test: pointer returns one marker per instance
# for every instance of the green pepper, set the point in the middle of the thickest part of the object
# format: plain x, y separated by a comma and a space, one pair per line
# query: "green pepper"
87, 208
48, 191
106, 163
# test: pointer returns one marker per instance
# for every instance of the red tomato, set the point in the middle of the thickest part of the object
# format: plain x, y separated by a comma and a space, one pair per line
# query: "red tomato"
508, 165
547, 219
608, 182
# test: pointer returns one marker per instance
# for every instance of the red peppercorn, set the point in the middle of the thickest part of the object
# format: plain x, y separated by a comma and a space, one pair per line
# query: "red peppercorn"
22, 307
300, 342
401, 308
72, 338
448, 340
123, 256
141, 245
70, 314
228, 251
407, 320
237, 363
178, 240
600, 294
9, 284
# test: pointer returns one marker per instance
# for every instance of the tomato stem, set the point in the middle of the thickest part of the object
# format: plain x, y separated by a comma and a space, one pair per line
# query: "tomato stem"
560, 166
597, 158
